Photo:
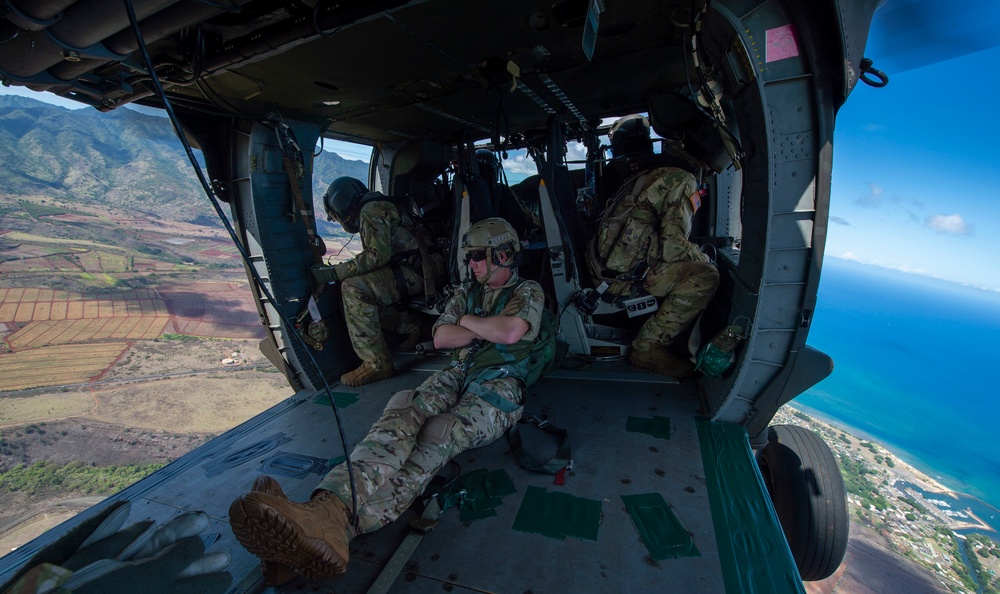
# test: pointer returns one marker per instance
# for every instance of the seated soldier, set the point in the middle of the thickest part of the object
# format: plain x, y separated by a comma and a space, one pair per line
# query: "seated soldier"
642, 245
491, 325
509, 205
389, 269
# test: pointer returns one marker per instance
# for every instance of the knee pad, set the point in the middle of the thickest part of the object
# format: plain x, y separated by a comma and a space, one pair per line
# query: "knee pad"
437, 429
401, 400
399, 404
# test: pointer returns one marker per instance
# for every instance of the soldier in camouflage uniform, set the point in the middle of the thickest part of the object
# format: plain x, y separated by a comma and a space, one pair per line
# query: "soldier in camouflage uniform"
387, 271
642, 245
491, 325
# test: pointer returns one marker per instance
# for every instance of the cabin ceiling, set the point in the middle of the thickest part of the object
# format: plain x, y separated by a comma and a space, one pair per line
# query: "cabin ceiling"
378, 71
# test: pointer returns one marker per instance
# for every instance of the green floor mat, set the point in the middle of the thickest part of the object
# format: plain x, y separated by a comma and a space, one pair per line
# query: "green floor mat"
477, 494
659, 527
558, 515
343, 399
657, 426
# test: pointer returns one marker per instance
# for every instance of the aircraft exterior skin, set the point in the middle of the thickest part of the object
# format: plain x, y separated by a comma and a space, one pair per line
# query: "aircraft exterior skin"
751, 87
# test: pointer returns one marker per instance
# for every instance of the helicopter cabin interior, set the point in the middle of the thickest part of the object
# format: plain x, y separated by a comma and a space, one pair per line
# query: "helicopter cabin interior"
669, 482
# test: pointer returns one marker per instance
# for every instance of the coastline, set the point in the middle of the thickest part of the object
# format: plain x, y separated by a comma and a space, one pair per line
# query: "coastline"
955, 517
902, 458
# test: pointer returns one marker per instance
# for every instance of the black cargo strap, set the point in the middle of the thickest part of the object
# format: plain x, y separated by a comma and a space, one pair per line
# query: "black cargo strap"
430, 291
526, 461
400, 280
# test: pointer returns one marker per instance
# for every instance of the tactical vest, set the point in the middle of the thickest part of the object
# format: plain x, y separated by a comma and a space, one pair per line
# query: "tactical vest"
514, 358
628, 234
420, 259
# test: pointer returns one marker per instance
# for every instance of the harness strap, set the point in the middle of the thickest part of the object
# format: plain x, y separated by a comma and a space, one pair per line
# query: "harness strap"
495, 400
400, 280
308, 220
430, 291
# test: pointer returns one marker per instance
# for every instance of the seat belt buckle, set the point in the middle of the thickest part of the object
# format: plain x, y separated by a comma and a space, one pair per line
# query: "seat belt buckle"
536, 420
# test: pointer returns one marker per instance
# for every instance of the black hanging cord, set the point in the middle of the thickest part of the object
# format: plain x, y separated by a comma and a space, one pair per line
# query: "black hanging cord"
239, 245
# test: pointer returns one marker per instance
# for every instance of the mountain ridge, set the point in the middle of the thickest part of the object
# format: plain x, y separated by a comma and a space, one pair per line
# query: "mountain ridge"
121, 159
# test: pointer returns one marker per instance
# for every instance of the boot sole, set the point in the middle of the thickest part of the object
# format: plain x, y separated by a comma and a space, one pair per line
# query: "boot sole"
275, 573
271, 536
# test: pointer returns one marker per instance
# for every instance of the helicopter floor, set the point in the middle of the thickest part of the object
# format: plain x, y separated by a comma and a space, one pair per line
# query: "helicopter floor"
638, 511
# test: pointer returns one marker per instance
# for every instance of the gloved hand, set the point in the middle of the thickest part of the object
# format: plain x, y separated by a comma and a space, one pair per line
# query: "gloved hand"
324, 274
141, 557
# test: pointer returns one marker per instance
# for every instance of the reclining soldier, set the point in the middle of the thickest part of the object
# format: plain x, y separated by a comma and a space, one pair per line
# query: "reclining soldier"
389, 269
642, 246
491, 324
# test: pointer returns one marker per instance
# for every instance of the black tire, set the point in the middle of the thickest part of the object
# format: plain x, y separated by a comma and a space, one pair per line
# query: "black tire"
807, 491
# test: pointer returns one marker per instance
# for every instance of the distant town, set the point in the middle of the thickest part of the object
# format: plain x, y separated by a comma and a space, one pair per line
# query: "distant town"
914, 515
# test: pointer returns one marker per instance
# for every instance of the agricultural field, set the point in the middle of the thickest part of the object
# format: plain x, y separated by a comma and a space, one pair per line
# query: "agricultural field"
126, 339
46, 317
56, 366
38, 321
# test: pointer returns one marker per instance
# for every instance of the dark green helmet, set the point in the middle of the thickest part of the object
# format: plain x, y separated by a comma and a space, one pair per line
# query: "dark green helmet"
341, 201
629, 136
487, 165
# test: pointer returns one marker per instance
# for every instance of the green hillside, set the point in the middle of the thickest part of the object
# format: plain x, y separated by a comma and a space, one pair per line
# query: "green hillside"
121, 159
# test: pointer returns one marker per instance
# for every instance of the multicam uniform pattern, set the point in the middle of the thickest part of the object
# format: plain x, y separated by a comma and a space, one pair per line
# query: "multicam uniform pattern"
649, 220
420, 430
369, 286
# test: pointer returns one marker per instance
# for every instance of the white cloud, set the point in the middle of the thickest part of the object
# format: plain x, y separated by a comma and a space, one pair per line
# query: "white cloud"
952, 224
518, 165
871, 199
576, 151
849, 256
839, 220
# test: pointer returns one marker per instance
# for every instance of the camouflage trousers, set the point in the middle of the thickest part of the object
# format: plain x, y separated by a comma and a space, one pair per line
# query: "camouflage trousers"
368, 300
686, 289
418, 433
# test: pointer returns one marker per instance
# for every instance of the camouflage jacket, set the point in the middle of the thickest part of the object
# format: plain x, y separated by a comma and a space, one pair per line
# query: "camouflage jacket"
519, 297
648, 219
383, 236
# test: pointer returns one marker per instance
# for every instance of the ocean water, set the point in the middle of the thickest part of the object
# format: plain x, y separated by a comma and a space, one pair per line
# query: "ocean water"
916, 367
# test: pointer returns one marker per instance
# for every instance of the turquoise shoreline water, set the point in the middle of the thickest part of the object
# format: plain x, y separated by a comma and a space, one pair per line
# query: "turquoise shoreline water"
914, 360
956, 501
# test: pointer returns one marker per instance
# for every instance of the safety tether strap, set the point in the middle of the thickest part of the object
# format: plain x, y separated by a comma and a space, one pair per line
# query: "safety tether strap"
430, 290
490, 396
314, 332
526, 461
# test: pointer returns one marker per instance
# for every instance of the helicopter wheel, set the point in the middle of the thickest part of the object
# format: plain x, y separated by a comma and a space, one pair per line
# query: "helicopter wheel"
808, 494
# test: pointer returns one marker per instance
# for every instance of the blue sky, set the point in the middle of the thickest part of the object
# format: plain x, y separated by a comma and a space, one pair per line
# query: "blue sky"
916, 180
916, 184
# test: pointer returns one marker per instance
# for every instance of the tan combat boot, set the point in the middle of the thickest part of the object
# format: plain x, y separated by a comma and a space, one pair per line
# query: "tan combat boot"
658, 360
368, 373
275, 573
311, 538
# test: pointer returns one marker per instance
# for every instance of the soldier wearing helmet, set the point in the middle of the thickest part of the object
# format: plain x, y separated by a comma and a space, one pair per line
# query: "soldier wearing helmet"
642, 247
491, 325
389, 269
508, 205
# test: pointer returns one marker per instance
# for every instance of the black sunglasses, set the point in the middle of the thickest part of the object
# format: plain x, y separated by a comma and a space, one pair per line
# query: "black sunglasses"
477, 255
